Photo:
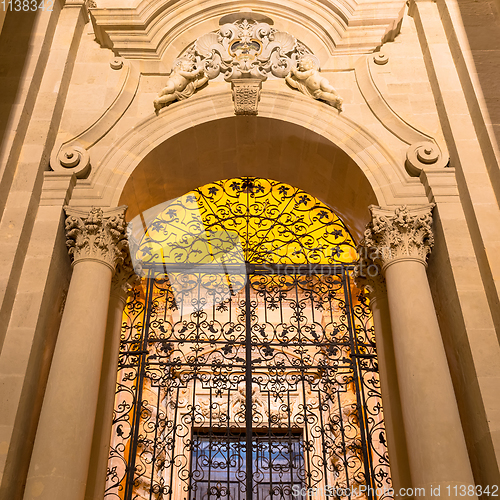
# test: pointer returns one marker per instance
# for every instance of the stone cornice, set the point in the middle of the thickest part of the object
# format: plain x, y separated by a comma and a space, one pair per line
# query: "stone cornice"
98, 235
147, 28
399, 234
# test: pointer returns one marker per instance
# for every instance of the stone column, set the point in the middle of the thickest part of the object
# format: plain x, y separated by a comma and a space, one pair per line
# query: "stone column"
368, 275
123, 280
60, 461
436, 446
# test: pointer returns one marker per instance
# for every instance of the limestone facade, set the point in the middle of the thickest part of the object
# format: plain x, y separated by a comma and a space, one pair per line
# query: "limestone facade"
398, 133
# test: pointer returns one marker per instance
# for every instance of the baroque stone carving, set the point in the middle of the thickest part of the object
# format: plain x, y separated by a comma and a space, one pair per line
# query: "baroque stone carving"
380, 58
116, 63
246, 47
182, 83
246, 96
422, 154
97, 235
306, 79
125, 277
424, 150
367, 273
72, 156
400, 234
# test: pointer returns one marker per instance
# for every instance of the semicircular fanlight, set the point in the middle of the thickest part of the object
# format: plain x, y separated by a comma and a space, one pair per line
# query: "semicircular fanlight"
246, 219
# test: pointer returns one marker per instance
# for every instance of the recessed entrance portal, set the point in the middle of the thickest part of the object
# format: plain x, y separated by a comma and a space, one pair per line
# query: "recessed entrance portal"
248, 365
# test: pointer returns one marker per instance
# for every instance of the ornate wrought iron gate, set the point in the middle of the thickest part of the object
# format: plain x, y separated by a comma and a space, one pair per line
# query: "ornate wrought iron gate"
298, 345
247, 364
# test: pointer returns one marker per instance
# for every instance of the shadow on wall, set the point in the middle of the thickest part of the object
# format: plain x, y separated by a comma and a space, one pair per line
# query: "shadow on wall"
14, 48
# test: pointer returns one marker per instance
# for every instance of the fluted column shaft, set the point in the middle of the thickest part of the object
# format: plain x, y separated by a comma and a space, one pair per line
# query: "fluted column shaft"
60, 460
436, 445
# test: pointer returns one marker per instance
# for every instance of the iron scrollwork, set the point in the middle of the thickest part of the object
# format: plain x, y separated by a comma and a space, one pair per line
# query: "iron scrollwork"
278, 377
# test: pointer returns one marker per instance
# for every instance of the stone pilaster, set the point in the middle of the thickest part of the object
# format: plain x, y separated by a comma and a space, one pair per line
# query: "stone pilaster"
62, 451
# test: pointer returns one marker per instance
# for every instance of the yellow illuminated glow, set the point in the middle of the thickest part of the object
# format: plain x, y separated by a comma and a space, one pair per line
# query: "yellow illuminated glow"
246, 219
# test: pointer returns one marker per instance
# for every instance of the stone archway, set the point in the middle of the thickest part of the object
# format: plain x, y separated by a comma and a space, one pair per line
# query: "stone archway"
354, 157
262, 147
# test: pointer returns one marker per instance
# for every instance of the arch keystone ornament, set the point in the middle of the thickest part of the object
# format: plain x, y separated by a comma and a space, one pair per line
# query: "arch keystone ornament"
246, 51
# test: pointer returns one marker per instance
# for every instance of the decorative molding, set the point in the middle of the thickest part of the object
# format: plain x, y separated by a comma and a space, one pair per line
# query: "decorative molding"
394, 28
392, 187
72, 156
423, 154
246, 51
380, 58
97, 235
57, 189
151, 28
116, 63
400, 234
423, 149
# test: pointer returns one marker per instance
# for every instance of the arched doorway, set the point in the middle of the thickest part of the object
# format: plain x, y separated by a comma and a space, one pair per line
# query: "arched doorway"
247, 295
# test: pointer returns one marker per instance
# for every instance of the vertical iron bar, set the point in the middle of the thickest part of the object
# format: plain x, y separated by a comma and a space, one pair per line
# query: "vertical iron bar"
172, 446
155, 444
358, 383
248, 392
141, 371
228, 443
210, 442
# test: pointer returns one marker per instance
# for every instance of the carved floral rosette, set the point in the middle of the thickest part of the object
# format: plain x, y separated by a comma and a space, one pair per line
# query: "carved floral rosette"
97, 235
398, 234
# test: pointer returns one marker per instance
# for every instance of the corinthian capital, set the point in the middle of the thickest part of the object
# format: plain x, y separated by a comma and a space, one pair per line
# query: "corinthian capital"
97, 235
399, 234
125, 278
368, 275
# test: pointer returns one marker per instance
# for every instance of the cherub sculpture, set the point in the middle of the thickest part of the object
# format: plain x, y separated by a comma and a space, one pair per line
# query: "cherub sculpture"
308, 80
182, 83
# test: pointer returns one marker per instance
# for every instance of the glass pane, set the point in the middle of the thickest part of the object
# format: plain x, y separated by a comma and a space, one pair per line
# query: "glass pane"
219, 463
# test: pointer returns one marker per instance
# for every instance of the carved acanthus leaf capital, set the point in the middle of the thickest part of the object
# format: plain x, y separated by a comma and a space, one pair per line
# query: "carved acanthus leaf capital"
125, 278
399, 234
368, 275
97, 235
